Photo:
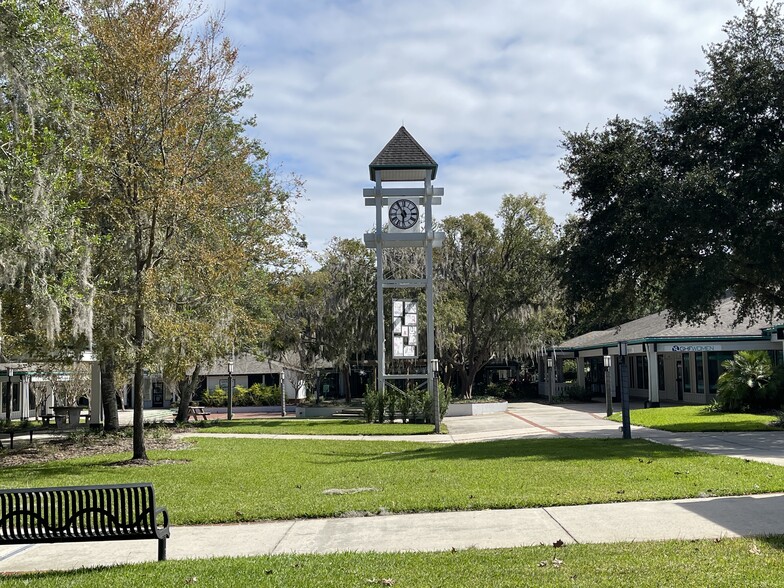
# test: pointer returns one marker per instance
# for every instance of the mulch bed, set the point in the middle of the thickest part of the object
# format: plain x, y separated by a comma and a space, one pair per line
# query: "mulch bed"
88, 446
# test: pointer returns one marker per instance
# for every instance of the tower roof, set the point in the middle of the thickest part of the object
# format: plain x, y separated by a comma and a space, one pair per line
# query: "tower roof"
403, 160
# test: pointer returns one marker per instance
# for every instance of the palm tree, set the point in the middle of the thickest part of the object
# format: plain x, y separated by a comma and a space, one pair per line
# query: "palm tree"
743, 384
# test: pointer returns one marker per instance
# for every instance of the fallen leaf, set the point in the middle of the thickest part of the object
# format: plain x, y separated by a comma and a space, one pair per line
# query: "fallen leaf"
192, 580
542, 564
268, 572
558, 544
754, 549
557, 562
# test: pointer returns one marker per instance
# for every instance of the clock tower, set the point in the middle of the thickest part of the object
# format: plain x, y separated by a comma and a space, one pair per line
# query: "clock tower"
409, 223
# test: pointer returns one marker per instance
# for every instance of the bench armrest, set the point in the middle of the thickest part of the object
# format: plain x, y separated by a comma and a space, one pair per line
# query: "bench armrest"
165, 527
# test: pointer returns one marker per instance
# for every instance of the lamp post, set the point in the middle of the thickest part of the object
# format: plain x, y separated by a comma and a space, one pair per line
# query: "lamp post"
607, 392
282, 394
229, 414
436, 396
552, 379
623, 350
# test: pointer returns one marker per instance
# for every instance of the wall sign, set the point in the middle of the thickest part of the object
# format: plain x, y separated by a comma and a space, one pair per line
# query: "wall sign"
404, 329
690, 348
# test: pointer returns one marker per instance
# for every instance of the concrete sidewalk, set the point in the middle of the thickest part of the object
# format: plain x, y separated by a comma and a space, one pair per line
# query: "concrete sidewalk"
599, 523
630, 521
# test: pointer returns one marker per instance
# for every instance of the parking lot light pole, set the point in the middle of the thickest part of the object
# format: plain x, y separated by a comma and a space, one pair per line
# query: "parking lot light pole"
623, 349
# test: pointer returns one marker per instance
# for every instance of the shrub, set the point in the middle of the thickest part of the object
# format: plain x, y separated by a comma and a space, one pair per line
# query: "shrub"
445, 397
391, 399
746, 384
501, 390
261, 395
370, 406
216, 397
573, 393
406, 404
256, 395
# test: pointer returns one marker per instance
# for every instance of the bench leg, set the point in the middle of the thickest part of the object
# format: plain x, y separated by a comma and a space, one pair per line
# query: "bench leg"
162, 549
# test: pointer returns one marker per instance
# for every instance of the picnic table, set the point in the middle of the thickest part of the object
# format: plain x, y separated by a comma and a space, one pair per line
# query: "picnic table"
195, 412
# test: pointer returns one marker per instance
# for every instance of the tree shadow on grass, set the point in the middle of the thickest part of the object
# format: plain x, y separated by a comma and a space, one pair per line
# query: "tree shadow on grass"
553, 450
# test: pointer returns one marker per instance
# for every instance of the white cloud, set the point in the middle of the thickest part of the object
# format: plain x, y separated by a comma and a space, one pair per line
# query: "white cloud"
486, 88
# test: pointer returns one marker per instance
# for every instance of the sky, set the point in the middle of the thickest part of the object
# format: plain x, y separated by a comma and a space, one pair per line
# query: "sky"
487, 88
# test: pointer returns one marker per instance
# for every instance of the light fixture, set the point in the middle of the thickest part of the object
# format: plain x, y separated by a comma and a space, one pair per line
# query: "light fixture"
607, 361
549, 362
231, 367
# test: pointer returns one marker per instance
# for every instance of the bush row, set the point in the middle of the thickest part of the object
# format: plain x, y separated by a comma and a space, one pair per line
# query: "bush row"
410, 405
256, 395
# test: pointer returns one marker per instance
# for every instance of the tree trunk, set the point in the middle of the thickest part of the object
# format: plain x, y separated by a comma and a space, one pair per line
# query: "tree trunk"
186, 394
111, 422
466, 383
345, 374
139, 450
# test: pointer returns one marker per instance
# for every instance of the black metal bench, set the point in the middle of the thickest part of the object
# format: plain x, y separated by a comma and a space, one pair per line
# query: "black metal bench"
13, 432
82, 513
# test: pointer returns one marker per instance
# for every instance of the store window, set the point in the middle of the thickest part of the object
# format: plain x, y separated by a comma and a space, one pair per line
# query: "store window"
642, 372
700, 372
686, 374
715, 369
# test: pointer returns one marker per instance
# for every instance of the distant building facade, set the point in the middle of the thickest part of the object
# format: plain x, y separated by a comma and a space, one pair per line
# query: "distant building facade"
676, 363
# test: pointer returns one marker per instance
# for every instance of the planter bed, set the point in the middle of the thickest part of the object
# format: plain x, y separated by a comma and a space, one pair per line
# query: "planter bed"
472, 408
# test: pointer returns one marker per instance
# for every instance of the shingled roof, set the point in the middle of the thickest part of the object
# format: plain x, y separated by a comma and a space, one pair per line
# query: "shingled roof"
656, 327
403, 159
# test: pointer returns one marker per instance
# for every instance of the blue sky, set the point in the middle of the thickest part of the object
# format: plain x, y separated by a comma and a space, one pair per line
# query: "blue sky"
487, 88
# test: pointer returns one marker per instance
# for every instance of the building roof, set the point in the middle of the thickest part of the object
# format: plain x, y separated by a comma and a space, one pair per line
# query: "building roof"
403, 159
655, 327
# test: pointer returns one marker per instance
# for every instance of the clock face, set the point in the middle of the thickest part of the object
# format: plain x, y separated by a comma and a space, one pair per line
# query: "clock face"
403, 214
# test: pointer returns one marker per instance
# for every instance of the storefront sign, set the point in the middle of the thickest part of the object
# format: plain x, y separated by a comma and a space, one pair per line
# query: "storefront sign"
689, 348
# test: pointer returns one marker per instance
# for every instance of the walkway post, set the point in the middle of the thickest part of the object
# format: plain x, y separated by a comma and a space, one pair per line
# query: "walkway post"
436, 397
551, 387
627, 425
607, 392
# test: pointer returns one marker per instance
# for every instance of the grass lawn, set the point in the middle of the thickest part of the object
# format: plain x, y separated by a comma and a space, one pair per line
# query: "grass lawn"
682, 419
224, 480
312, 427
727, 563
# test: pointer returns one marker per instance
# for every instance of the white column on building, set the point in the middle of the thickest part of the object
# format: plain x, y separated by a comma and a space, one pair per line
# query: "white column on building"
611, 379
581, 372
653, 375
24, 396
